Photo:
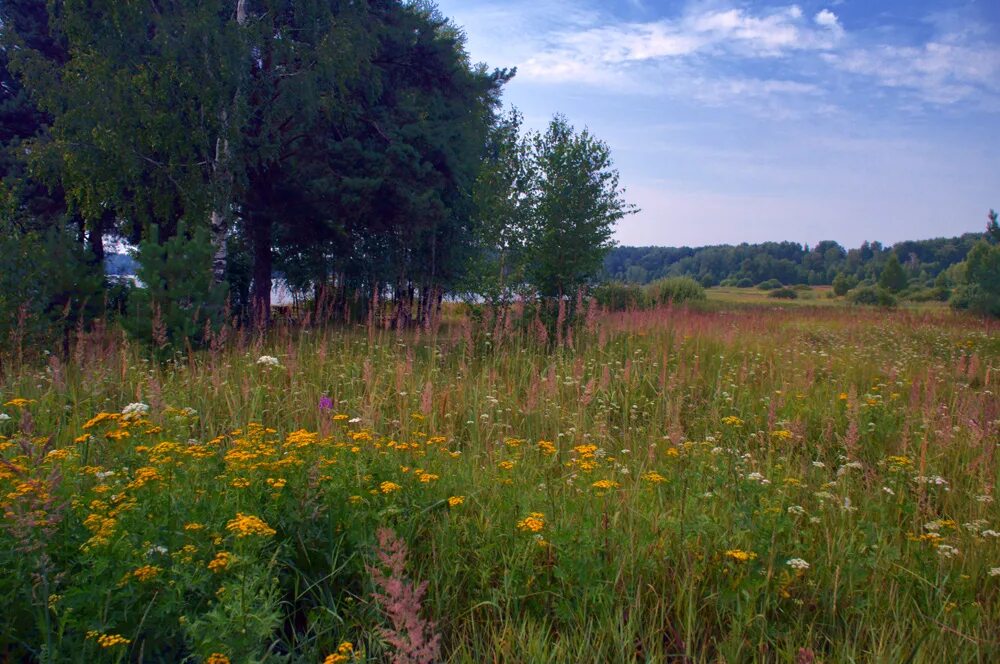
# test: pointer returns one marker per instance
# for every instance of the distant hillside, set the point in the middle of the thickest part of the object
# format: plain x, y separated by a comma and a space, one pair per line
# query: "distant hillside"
788, 262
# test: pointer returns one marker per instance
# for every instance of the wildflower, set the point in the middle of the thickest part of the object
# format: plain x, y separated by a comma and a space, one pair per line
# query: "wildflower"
818, 464
605, 484
740, 555
220, 562
340, 417
654, 477
245, 525
990, 533
947, 551
268, 361
325, 403
18, 402
455, 501
345, 651
986, 498
546, 447
797, 563
995, 571
193, 526
532, 523
427, 477
757, 477
4, 417
797, 510
217, 658
146, 572
108, 640
240, 482
134, 411
389, 487
732, 421
781, 434
888, 491
506, 465
157, 549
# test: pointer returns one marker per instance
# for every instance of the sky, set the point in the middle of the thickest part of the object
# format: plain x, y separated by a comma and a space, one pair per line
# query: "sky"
729, 122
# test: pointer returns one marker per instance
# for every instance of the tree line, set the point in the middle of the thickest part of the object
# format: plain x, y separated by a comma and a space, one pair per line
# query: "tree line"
354, 147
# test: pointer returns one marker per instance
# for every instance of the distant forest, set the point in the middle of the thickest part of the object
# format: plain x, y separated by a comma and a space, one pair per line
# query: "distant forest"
788, 262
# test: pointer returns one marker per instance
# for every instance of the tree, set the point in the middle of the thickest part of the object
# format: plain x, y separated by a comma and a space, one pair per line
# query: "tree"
578, 201
892, 278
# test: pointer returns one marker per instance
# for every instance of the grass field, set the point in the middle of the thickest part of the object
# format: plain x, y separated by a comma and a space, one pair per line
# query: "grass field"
723, 484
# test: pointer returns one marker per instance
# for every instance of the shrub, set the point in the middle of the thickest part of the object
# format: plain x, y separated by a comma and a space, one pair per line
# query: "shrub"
784, 294
770, 284
745, 282
869, 295
674, 289
619, 296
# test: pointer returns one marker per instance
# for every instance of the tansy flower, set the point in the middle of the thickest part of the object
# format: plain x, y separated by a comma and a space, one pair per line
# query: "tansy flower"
732, 420
506, 465
605, 484
740, 555
455, 501
221, 561
146, 572
654, 477
216, 658
532, 523
245, 525
389, 487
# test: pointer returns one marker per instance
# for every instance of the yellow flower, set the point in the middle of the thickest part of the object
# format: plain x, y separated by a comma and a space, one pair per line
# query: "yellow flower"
19, 402
240, 483
108, 640
221, 561
146, 572
245, 525
605, 484
389, 487
740, 555
506, 465
532, 523
276, 483
455, 501
654, 477
732, 420
216, 658
428, 477
193, 526
781, 434
340, 417
546, 447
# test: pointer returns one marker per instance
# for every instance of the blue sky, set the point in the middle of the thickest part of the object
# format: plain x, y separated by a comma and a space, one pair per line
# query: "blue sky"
730, 122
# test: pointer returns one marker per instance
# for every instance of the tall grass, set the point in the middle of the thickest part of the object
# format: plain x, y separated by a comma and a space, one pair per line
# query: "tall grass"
669, 484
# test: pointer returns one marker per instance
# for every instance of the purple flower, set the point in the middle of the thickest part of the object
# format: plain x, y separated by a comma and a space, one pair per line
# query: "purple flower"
325, 403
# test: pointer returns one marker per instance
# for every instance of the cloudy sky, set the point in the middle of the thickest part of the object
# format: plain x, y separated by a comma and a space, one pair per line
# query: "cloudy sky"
730, 122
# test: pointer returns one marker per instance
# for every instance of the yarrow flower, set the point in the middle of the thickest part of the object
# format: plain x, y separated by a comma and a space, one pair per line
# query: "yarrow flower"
995, 571
797, 563
245, 525
268, 361
134, 411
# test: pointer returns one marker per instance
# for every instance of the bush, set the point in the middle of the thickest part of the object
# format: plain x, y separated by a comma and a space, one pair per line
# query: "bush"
869, 295
745, 282
619, 296
674, 289
770, 284
980, 292
784, 294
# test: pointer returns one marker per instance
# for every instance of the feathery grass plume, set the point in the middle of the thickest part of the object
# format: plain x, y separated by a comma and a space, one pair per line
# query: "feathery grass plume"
412, 637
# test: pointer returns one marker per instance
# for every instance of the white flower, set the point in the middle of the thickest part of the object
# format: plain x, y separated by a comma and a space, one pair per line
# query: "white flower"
889, 491
135, 410
797, 510
797, 563
847, 466
933, 479
104, 474
984, 499
819, 464
947, 551
188, 412
4, 417
355, 420
156, 549
990, 533
757, 477
932, 526
995, 571
268, 361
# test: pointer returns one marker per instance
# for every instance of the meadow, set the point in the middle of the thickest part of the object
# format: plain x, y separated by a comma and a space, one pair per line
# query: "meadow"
792, 484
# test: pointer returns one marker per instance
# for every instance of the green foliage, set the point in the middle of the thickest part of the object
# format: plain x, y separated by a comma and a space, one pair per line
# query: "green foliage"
619, 296
979, 291
770, 284
873, 296
784, 293
892, 278
48, 285
178, 302
842, 283
674, 290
